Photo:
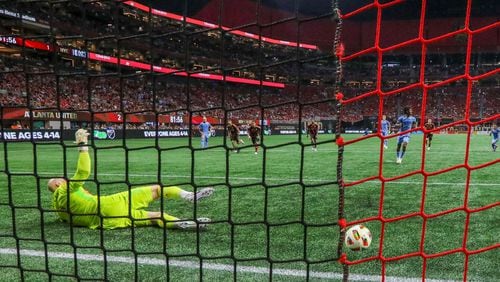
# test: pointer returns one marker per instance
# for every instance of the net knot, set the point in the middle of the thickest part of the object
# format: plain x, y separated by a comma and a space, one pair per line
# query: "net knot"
343, 259
339, 96
336, 15
342, 223
339, 141
339, 52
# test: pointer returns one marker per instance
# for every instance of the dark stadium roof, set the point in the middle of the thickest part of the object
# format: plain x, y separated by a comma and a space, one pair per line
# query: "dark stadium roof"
435, 8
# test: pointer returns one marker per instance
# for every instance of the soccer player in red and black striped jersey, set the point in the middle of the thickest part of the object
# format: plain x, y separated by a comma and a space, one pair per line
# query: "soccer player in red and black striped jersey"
312, 131
428, 136
253, 132
233, 132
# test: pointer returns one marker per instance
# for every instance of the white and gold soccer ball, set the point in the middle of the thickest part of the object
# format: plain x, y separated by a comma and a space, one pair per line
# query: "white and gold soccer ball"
358, 237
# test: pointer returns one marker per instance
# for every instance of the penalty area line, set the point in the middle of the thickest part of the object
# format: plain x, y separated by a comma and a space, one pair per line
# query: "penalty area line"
209, 266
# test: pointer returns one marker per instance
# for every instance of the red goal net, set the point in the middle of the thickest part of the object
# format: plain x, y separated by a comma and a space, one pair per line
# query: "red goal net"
435, 210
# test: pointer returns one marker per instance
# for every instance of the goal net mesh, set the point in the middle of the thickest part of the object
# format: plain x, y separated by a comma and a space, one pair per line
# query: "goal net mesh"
404, 65
137, 76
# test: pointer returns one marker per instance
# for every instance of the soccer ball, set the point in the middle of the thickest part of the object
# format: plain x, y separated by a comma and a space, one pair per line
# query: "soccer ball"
358, 237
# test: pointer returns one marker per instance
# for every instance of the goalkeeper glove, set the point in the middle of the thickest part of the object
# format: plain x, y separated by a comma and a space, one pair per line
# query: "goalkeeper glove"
81, 138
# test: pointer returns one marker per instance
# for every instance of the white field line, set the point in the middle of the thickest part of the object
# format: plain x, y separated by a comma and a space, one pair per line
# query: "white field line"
210, 266
232, 178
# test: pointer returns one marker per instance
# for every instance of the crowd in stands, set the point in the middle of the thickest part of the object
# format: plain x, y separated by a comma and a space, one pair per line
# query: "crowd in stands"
444, 103
139, 94
205, 46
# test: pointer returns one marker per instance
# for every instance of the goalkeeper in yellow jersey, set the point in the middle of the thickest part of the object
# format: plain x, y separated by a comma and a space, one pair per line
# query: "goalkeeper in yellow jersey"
79, 207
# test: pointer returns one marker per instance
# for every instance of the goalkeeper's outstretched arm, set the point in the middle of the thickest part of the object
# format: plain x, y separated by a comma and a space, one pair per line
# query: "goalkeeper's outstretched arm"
82, 168
83, 165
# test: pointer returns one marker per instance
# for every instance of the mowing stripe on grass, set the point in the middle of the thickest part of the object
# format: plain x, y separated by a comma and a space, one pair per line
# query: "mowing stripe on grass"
275, 179
210, 266
249, 150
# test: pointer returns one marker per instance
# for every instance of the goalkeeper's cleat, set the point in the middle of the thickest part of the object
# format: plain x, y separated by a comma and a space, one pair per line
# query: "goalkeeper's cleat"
81, 136
399, 160
203, 193
428, 148
200, 223
385, 147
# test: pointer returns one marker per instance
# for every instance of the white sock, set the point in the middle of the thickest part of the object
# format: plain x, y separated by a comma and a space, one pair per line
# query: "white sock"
186, 194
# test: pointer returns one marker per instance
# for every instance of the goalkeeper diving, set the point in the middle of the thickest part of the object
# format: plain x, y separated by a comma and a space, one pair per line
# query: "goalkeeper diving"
78, 207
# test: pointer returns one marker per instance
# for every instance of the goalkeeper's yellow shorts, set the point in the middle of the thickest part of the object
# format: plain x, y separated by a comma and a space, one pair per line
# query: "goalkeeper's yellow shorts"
126, 208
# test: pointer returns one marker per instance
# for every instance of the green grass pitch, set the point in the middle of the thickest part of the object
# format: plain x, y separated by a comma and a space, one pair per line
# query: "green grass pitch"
274, 210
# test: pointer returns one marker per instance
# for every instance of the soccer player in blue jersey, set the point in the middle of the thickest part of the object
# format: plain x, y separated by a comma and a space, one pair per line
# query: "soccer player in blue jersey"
205, 128
494, 134
406, 122
385, 129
